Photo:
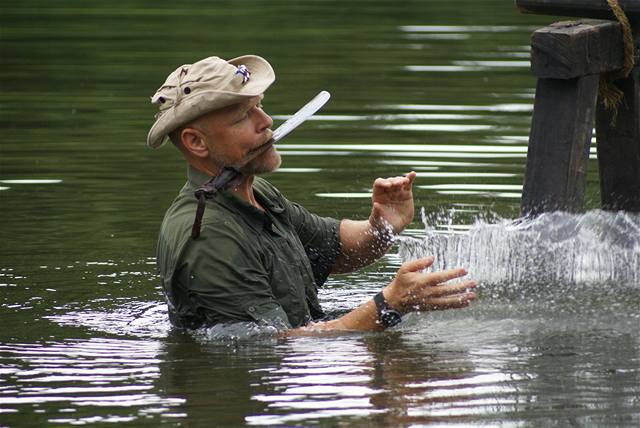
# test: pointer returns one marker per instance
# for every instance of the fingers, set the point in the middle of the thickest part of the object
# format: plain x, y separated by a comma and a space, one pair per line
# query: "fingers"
411, 177
416, 290
431, 278
452, 302
434, 278
390, 184
395, 183
416, 265
452, 289
450, 296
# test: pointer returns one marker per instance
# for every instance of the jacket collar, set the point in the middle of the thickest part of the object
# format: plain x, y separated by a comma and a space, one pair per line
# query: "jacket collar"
256, 218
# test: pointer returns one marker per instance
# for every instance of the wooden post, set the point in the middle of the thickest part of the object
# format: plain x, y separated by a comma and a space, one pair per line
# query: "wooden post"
569, 49
559, 142
618, 145
568, 59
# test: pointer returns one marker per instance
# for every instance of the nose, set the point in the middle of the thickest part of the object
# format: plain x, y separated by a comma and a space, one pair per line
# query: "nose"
264, 120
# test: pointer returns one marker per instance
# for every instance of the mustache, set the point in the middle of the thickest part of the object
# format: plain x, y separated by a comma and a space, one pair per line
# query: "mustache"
264, 145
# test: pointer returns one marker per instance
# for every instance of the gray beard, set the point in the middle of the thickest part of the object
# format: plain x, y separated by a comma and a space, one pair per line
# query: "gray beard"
253, 169
259, 166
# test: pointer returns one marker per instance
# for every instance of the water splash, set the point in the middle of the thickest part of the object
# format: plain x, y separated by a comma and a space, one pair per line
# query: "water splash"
136, 319
236, 332
557, 248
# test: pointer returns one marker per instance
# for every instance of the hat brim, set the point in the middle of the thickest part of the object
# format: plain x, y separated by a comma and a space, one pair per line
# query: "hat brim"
205, 101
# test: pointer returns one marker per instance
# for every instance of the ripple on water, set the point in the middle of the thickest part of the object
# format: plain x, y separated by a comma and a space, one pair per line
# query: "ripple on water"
310, 385
31, 181
73, 376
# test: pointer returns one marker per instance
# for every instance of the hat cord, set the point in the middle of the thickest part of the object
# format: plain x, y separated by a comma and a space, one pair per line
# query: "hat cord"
207, 191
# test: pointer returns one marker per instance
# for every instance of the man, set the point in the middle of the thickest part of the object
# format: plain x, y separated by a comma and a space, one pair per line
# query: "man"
246, 253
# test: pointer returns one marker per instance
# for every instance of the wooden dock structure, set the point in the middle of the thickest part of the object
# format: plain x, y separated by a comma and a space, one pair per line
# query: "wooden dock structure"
576, 62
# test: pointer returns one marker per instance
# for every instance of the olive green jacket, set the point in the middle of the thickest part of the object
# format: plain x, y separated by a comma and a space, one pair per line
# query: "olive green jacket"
246, 265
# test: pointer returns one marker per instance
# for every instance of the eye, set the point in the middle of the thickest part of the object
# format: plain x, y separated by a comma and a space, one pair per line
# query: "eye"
242, 117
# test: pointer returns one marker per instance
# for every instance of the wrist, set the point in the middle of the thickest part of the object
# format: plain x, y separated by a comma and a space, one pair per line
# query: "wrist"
382, 230
387, 316
392, 299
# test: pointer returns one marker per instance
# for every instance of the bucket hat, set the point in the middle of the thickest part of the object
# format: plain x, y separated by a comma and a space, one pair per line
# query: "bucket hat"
193, 90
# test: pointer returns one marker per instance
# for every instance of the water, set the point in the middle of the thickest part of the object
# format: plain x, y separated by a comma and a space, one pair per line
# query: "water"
593, 249
442, 88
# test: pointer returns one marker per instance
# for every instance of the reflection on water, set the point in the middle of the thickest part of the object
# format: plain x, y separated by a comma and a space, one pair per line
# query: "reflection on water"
310, 384
517, 108
30, 181
439, 87
67, 382
462, 28
450, 150
469, 66
472, 366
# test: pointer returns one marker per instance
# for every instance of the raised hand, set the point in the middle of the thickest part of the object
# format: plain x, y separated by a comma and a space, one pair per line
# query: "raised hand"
392, 202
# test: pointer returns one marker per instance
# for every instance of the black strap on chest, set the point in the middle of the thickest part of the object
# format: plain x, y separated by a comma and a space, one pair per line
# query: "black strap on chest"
207, 191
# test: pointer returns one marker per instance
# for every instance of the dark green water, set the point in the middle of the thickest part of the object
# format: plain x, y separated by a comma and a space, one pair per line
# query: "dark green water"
439, 87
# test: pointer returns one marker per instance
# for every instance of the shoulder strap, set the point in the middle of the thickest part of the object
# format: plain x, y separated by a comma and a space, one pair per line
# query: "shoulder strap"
207, 191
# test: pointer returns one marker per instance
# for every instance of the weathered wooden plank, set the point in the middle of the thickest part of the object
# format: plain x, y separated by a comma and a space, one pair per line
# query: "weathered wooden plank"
578, 8
559, 140
619, 148
569, 49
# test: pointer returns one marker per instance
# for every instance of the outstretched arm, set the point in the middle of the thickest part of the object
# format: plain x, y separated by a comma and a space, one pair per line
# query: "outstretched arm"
365, 241
411, 290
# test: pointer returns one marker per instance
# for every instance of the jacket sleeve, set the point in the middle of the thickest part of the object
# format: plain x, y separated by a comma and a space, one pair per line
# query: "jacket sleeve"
320, 237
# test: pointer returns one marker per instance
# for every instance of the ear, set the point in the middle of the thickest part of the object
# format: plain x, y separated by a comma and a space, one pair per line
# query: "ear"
193, 141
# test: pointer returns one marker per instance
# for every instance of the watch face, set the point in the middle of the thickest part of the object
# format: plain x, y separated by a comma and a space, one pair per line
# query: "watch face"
386, 316
389, 318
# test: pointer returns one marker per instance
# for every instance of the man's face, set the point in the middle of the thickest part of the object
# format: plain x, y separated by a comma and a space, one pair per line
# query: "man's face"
237, 136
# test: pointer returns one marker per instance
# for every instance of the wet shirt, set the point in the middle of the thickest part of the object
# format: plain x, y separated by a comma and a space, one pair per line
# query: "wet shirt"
247, 264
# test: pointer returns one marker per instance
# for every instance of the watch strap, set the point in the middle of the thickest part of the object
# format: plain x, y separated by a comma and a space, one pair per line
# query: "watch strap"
387, 316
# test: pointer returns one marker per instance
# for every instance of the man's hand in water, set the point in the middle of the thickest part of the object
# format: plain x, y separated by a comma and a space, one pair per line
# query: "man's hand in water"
412, 290
392, 202
415, 290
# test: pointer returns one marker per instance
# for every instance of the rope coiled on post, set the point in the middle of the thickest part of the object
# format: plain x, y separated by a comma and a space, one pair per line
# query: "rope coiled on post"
608, 92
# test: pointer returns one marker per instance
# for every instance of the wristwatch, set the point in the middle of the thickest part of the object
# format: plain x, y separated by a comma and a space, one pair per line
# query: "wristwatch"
386, 316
